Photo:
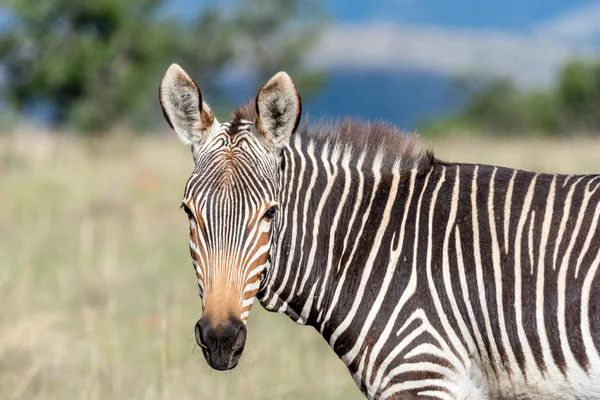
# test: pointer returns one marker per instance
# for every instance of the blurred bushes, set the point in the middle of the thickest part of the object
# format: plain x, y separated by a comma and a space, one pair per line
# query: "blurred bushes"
90, 65
496, 106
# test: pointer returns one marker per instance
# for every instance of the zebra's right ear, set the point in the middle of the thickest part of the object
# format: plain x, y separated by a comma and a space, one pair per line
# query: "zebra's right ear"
183, 107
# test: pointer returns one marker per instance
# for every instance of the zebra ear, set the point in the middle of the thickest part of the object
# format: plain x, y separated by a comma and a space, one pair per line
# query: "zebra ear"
183, 107
279, 107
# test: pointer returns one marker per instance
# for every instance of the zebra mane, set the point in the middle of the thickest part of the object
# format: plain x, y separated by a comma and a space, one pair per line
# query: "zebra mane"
371, 138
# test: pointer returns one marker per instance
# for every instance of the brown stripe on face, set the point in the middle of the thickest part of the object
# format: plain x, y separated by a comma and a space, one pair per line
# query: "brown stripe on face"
199, 258
254, 219
225, 288
221, 301
200, 223
224, 276
197, 223
264, 239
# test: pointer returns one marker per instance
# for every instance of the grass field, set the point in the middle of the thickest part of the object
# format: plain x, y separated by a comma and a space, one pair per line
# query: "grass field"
98, 298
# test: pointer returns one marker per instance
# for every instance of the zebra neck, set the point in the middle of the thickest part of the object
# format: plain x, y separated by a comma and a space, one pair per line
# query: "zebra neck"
335, 206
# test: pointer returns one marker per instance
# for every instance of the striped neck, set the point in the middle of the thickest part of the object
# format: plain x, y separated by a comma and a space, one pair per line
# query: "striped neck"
331, 195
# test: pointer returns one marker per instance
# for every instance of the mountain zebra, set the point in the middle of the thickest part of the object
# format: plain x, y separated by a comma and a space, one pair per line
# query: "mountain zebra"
428, 279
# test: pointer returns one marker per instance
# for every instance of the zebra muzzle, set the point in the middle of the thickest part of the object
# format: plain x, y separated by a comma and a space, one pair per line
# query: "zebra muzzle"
222, 344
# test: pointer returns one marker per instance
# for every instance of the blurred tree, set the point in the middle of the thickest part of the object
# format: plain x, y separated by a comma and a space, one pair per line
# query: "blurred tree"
91, 64
578, 94
496, 107
542, 112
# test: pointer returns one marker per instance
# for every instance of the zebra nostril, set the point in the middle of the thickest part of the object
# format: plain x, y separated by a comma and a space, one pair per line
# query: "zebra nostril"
199, 339
240, 340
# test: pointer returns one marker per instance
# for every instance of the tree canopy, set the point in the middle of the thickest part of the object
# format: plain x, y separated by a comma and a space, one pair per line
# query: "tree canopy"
496, 106
91, 64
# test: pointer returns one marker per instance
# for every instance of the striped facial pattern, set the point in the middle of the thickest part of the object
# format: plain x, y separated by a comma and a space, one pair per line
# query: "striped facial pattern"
230, 200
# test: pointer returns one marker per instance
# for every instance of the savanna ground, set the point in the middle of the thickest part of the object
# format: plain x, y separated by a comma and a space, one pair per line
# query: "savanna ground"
98, 298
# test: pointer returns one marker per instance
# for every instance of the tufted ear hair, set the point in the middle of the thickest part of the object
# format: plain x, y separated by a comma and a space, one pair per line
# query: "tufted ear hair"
279, 107
183, 107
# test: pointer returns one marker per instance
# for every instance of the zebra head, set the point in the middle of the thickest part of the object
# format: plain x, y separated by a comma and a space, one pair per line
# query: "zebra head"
230, 200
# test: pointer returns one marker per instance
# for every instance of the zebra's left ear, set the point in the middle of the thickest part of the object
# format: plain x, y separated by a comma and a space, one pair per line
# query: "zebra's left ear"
279, 107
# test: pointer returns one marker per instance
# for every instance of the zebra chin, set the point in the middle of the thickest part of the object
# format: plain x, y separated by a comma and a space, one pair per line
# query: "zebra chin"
222, 344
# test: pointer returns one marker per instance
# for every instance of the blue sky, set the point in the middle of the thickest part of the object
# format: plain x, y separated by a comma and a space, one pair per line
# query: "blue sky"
517, 15
526, 40
506, 14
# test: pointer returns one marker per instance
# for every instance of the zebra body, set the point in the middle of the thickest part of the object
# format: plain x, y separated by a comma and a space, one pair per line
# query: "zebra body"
479, 283
428, 279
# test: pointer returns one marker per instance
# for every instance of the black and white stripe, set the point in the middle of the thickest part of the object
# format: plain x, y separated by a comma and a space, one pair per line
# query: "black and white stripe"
225, 194
443, 281
428, 279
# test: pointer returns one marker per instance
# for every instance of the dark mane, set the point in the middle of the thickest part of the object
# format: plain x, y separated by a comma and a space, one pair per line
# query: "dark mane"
247, 112
361, 136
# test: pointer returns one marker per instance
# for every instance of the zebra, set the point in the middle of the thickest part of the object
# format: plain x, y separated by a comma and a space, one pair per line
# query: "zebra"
428, 279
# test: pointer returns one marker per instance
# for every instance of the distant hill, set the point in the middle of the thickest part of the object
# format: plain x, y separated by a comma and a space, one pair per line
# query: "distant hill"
401, 97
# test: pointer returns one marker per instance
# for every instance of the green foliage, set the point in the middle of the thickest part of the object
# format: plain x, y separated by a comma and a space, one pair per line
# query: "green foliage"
542, 112
496, 106
578, 92
97, 63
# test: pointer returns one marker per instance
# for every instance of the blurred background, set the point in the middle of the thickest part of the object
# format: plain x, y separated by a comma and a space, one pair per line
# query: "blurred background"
98, 297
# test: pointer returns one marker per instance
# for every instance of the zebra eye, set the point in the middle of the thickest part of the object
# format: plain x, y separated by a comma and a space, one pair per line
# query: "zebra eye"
270, 213
187, 210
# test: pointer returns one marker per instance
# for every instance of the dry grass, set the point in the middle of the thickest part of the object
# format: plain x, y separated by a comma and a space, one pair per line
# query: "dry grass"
98, 297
